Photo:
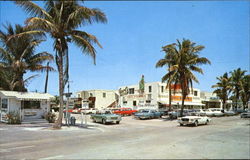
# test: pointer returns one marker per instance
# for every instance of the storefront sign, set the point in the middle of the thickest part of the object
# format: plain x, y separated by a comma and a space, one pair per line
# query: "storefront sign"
179, 98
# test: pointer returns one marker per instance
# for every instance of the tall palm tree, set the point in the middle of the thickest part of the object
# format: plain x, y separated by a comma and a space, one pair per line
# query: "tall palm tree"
184, 62
60, 19
223, 88
168, 60
236, 78
17, 55
245, 90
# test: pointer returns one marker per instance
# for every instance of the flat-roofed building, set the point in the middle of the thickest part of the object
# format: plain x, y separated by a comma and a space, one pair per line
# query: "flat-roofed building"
98, 99
156, 96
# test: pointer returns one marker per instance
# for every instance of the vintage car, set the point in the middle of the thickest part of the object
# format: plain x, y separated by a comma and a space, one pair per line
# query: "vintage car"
147, 114
125, 111
229, 113
217, 112
195, 120
245, 115
89, 111
105, 117
177, 113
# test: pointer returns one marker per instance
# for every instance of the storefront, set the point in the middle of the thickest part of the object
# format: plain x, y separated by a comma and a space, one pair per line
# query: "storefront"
28, 105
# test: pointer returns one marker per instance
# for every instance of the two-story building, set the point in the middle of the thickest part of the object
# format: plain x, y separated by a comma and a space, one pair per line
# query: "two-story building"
156, 96
98, 99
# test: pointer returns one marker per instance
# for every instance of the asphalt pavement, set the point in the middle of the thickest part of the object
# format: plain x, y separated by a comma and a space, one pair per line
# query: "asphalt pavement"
223, 138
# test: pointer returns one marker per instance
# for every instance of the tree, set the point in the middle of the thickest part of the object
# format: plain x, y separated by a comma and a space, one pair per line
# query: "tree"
183, 61
223, 88
17, 56
168, 61
236, 79
245, 90
60, 19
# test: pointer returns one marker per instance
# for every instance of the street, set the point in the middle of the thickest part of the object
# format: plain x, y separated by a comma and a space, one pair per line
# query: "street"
224, 137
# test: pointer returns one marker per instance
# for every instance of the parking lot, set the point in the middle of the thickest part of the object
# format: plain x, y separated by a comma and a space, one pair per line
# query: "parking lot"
224, 137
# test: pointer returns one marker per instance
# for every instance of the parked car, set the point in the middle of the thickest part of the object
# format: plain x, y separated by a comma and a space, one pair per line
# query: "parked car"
147, 114
177, 113
194, 120
89, 111
105, 117
229, 113
245, 115
217, 112
125, 111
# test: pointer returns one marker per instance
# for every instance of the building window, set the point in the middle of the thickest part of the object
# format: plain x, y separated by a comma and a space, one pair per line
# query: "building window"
195, 93
91, 94
4, 103
148, 101
149, 88
104, 95
131, 91
134, 103
125, 102
162, 89
31, 104
79, 95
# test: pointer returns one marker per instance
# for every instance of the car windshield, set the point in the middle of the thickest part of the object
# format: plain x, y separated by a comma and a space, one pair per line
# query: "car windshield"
107, 112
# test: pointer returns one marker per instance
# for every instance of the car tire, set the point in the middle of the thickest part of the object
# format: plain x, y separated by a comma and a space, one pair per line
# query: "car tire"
206, 122
117, 122
181, 124
103, 121
196, 123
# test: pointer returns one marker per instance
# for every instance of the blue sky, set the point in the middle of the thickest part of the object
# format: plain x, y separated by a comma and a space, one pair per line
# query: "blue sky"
136, 31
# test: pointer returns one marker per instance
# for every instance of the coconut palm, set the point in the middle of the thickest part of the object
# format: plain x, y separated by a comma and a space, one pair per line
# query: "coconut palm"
17, 56
183, 62
236, 78
223, 88
245, 90
61, 19
168, 60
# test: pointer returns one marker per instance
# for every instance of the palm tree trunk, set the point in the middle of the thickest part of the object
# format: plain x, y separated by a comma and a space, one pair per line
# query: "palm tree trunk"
58, 123
170, 97
47, 77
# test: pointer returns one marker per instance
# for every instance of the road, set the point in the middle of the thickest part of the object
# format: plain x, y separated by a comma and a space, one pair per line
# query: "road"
223, 138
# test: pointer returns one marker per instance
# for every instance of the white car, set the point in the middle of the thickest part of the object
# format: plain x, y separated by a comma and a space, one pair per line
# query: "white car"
217, 112
193, 120
209, 112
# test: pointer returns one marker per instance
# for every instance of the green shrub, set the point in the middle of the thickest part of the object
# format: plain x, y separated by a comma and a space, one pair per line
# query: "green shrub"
13, 117
50, 117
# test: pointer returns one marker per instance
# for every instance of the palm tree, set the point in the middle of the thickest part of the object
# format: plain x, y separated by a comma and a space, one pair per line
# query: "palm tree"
223, 88
236, 78
60, 19
245, 90
183, 61
17, 56
168, 60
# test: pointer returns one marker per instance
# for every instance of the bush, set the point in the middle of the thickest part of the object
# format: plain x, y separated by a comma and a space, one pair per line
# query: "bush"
50, 117
13, 117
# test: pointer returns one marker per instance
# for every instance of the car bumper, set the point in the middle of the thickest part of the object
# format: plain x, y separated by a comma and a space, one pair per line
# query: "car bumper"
186, 122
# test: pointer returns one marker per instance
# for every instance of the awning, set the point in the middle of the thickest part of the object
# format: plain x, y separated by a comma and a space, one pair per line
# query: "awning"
189, 103
32, 96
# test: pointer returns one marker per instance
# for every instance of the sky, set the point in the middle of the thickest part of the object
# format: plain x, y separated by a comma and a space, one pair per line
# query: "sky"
133, 37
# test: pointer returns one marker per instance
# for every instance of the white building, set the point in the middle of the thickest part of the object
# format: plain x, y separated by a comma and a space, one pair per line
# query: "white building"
29, 105
156, 96
98, 99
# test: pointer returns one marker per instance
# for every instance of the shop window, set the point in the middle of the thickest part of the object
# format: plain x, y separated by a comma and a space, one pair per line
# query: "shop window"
104, 95
31, 104
131, 91
149, 88
4, 103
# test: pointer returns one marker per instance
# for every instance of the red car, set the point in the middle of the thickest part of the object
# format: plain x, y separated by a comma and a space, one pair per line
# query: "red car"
125, 111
